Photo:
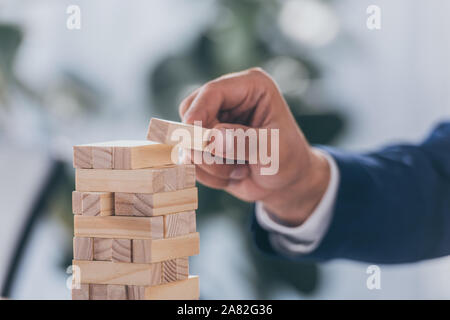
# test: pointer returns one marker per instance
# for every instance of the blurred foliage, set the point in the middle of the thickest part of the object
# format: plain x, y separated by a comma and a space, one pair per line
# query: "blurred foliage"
245, 34
70, 89
10, 39
60, 207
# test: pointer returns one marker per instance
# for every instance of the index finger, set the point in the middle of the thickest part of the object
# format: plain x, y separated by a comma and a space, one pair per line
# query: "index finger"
238, 92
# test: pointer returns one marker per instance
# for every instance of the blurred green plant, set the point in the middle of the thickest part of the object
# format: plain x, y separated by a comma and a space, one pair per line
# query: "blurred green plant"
246, 34
10, 39
70, 90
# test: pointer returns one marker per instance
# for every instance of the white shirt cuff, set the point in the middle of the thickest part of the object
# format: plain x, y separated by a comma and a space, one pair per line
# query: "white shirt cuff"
306, 237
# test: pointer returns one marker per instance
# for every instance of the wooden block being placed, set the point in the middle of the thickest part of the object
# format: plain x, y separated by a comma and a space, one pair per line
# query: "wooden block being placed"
129, 181
82, 157
119, 227
116, 292
93, 203
103, 272
147, 205
188, 289
122, 154
81, 292
177, 133
102, 249
175, 269
83, 248
98, 292
178, 224
77, 202
150, 251
121, 250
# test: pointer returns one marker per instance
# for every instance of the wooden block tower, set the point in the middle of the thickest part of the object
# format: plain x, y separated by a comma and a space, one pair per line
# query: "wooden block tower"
134, 223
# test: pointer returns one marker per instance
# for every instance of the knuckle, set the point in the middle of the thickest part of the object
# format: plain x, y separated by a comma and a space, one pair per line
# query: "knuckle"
210, 87
261, 75
258, 71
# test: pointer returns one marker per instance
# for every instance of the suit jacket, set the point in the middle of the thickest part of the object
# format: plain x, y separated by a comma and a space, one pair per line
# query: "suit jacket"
392, 206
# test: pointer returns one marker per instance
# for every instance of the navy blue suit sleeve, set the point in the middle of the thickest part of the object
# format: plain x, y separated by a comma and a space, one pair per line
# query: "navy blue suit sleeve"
393, 206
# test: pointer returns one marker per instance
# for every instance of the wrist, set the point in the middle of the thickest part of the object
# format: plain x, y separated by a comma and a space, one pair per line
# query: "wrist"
293, 204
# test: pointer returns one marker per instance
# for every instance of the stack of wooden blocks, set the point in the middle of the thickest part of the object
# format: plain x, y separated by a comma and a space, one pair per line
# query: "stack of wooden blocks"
134, 223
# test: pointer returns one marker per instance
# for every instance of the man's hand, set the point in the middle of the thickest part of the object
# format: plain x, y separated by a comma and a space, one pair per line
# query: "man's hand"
252, 99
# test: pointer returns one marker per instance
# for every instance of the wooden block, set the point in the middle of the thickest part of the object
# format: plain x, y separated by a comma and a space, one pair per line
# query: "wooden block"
169, 132
193, 223
121, 250
93, 203
150, 251
77, 202
141, 154
132, 181
172, 179
122, 154
186, 175
182, 268
83, 248
97, 203
98, 292
178, 177
178, 224
116, 292
142, 251
116, 250
103, 272
129, 181
131, 204
102, 157
136, 292
119, 227
159, 176
102, 249
80, 293
82, 157
175, 269
188, 289
146, 204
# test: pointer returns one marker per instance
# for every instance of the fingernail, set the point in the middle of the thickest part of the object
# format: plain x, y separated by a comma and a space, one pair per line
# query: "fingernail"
239, 173
187, 117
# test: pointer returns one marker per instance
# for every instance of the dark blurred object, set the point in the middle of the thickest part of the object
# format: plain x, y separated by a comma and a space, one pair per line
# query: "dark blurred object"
10, 39
246, 34
53, 187
320, 128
